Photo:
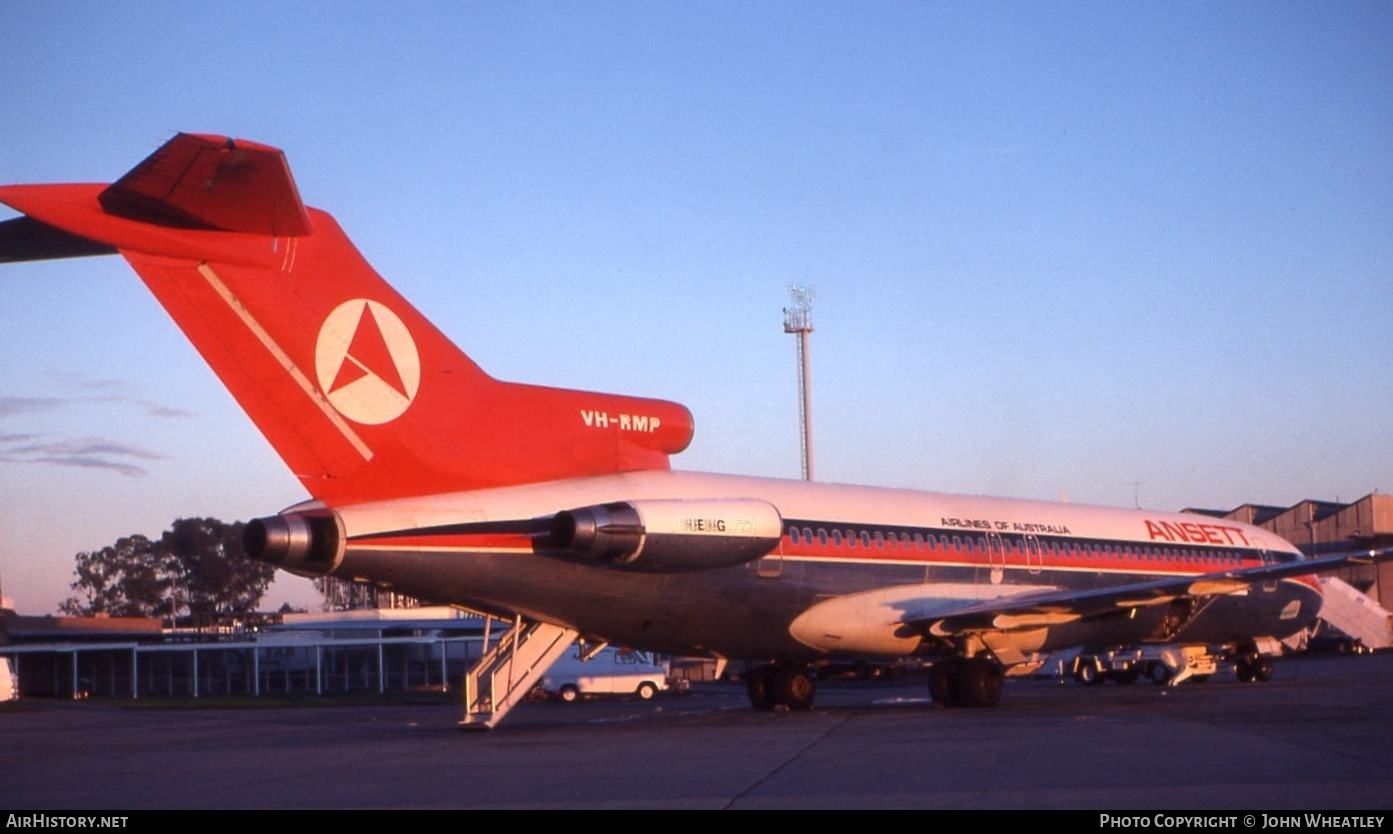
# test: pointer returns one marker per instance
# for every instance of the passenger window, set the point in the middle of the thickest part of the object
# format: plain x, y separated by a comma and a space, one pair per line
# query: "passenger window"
837, 538
821, 536
866, 538
793, 535
880, 540
918, 541
808, 535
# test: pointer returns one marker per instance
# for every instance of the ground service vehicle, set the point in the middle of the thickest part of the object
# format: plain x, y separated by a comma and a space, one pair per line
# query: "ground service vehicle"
609, 671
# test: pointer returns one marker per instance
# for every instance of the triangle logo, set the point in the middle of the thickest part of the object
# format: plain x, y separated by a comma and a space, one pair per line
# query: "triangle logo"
367, 362
368, 354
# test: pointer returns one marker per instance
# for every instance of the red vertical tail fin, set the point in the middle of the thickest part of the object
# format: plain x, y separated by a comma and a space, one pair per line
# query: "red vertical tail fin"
360, 395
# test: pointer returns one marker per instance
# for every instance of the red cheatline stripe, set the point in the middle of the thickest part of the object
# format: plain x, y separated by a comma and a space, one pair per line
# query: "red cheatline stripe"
447, 540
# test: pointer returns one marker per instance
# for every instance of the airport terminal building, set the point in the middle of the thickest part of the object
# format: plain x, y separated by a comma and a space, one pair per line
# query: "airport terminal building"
1328, 527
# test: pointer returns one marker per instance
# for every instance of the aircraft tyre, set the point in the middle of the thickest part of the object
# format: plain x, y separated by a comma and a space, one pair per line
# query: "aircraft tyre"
793, 687
941, 675
977, 683
780, 686
1254, 669
758, 685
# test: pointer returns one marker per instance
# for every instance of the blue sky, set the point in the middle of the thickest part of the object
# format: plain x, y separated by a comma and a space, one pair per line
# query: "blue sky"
1082, 250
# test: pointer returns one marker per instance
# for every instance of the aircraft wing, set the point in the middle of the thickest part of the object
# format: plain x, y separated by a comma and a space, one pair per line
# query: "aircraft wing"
1055, 607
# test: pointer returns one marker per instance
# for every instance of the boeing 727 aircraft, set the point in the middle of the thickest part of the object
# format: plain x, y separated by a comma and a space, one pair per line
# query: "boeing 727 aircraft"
558, 508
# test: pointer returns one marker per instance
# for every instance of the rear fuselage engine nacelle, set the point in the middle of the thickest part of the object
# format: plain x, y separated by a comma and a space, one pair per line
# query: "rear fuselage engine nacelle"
660, 536
308, 544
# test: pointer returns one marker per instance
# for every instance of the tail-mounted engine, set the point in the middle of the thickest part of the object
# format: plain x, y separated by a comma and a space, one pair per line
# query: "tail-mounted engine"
304, 543
662, 536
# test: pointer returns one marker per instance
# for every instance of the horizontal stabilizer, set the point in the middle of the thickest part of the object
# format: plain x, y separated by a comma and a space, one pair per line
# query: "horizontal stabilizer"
27, 239
213, 183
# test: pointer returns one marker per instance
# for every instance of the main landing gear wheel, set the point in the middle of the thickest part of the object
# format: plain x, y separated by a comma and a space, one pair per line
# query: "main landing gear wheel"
794, 688
757, 686
965, 682
781, 686
1087, 673
1254, 670
941, 681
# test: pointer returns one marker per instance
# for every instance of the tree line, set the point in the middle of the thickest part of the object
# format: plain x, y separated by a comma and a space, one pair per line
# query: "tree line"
196, 570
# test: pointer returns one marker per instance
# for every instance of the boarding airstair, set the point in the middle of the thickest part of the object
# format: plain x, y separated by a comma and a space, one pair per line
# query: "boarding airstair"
507, 672
1356, 614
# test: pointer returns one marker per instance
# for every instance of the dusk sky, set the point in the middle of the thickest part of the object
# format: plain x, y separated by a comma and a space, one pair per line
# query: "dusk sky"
1105, 251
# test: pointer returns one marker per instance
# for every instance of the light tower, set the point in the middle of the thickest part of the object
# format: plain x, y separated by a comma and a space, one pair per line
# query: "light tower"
798, 321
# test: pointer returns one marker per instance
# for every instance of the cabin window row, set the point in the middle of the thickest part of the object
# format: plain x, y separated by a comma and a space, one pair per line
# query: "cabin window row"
838, 537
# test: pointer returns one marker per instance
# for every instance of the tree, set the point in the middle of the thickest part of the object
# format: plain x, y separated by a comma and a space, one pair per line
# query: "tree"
197, 567
125, 579
213, 578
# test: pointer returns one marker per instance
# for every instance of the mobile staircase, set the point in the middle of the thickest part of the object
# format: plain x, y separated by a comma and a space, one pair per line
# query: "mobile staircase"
507, 672
1356, 614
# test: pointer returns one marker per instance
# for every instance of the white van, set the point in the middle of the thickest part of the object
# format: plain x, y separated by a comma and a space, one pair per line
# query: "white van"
609, 672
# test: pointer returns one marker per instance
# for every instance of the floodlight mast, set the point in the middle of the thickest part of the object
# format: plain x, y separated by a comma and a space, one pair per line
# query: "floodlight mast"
798, 321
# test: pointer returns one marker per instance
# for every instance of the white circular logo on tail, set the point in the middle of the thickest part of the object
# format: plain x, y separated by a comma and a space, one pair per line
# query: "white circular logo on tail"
367, 363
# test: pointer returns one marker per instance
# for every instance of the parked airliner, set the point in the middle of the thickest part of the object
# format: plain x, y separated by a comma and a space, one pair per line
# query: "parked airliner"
559, 510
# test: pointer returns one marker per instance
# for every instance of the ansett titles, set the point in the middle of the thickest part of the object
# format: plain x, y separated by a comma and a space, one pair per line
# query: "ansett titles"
1195, 532
624, 422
